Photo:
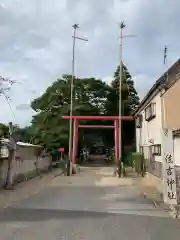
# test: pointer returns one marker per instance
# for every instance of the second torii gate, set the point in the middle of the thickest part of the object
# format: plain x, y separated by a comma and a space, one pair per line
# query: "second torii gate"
76, 120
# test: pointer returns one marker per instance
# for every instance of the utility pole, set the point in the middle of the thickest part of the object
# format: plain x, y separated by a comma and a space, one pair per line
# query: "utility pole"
75, 27
122, 26
165, 68
164, 124
165, 54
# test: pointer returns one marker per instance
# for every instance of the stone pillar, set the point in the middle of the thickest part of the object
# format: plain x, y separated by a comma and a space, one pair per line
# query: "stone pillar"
168, 168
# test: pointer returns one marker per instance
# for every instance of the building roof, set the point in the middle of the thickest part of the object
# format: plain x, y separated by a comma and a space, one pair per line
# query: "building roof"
5, 140
157, 85
27, 144
23, 144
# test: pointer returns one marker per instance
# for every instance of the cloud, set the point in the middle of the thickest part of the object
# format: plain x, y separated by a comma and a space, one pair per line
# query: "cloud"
108, 79
36, 43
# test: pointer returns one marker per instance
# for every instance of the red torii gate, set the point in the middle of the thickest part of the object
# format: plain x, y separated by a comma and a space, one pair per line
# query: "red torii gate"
115, 126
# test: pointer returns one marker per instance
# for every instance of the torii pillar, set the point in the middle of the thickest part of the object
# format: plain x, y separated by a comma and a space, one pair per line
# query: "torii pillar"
76, 120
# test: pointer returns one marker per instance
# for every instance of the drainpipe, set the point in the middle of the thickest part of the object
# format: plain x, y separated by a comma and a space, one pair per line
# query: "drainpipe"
140, 138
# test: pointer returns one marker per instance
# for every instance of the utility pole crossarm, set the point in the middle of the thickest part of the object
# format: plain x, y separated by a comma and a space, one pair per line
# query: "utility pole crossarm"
127, 36
83, 39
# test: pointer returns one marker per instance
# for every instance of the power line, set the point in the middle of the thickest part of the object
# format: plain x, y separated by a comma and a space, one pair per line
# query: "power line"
9, 104
2, 91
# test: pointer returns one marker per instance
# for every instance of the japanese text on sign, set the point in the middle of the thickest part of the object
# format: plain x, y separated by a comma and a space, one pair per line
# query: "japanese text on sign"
168, 158
170, 177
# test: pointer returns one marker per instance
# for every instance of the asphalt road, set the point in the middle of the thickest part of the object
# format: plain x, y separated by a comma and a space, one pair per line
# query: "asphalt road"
91, 206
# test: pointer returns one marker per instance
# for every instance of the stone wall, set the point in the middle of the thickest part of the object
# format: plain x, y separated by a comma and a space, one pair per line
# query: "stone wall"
26, 165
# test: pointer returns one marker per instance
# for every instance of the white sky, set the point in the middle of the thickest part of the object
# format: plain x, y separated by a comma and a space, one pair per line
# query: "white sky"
36, 43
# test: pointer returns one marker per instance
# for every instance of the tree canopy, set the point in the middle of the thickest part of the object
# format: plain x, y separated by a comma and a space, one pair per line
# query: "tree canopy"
48, 127
3, 130
130, 101
92, 97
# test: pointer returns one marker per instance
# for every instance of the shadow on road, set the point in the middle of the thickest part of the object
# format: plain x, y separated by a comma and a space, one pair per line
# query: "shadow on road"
35, 215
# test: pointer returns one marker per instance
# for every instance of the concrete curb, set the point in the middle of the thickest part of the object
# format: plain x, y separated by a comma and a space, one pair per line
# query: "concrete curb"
153, 201
173, 211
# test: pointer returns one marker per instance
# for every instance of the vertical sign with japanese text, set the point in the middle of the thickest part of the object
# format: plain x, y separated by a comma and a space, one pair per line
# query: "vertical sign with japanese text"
169, 176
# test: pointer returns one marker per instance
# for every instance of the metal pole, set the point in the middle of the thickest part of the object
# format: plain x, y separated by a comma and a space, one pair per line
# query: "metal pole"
122, 25
75, 26
69, 167
164, 124
163, 103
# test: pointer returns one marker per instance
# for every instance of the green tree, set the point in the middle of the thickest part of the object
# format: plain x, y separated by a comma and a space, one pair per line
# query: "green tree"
130, 101
3, 130
91, 97
48, 128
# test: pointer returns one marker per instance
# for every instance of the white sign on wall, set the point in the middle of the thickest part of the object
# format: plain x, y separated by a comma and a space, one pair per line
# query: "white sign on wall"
169, 176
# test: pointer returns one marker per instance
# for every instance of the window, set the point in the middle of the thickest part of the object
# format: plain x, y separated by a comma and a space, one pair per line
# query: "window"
139, 120
156, 149
150, 112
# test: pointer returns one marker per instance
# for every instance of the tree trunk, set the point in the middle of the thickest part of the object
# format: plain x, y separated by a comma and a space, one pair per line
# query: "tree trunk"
10, 172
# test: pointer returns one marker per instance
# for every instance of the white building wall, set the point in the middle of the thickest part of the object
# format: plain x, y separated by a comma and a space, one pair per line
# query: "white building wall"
151, 130
145, 131
137, 140
176, 142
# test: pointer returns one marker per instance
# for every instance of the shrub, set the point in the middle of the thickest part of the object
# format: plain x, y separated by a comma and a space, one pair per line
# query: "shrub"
139, 163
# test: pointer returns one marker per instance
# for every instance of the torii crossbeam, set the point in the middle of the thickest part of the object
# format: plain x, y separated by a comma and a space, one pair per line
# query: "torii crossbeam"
115, 126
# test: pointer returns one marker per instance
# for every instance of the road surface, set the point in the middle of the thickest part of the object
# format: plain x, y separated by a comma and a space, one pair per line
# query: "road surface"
89, 206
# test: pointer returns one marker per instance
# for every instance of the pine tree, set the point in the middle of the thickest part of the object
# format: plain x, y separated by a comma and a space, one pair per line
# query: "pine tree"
130, 101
